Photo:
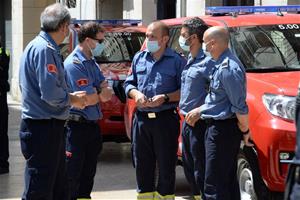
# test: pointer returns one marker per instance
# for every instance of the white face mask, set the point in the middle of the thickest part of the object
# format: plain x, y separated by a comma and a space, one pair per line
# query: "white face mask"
204, 48
152, 45
182, 44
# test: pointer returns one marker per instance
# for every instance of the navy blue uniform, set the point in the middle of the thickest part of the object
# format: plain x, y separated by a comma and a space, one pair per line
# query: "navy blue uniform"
83, 139
293, 180
226, 96
4, 88
45, 107
155, 130
194, 85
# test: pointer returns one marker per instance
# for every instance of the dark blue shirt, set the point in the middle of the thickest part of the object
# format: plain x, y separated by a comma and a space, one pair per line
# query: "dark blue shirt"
42, 80
195, 80
83, 74
227, 91
153, 77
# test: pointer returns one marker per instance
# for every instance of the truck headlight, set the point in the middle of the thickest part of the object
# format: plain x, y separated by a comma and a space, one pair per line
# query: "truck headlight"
280, 105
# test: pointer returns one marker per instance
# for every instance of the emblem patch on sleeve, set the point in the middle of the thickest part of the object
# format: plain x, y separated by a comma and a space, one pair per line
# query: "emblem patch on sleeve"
52, 68
82, 82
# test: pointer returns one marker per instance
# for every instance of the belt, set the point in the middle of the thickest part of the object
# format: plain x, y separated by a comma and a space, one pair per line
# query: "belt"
153, 115
211, 120
80, 119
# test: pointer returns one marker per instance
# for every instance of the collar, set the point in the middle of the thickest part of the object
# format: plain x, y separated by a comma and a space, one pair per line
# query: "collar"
167, 52
222, 56
80, 55
49, 39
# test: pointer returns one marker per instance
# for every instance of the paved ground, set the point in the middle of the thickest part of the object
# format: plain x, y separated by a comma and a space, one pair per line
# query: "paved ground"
115, 177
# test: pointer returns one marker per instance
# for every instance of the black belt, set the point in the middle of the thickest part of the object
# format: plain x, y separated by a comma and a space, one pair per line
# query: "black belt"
153, 115
211, 120
80, 119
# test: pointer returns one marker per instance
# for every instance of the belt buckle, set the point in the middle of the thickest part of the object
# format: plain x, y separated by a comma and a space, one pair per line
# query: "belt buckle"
151, 115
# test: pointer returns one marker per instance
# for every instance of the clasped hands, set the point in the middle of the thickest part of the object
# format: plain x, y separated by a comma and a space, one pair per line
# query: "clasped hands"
142, 101
78, 99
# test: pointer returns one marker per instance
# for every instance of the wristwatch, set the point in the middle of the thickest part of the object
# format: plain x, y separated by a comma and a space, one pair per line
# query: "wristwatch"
99, 90
166, 98
246, 132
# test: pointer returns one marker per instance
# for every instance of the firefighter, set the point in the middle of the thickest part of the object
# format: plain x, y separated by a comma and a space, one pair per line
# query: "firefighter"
155, 86
4, 88
226, 114
194, 84
83, 138
45, 107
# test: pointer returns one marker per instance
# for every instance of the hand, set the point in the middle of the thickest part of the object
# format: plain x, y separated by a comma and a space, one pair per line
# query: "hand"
78, 99
140, 100
193, 116
106, 94
247, 139
156, 101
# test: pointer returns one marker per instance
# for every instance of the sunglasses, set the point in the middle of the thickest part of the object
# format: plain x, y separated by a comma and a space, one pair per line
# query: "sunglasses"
99, 40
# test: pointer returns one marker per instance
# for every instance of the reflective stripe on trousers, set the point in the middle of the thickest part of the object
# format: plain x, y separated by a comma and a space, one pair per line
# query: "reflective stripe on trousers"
197, 197
154, 196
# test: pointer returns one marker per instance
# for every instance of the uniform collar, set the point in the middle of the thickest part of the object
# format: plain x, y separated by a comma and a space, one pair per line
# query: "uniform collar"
49, 39
167, 52
199, 56
222, 56
80, 55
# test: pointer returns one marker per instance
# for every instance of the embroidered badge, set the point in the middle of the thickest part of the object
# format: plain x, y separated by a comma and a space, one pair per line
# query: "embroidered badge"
52, 68
82, 82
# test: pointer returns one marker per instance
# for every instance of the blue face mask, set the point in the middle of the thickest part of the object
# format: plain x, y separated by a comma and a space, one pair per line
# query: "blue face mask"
152, 46
182, 44
205, 50
98, 50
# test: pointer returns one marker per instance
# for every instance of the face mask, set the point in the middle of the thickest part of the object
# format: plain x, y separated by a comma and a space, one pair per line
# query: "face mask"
152, 46
205, 50
182, 44
98, 49
66, 40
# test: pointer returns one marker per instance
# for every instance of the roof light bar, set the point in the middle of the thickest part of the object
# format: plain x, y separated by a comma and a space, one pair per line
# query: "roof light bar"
110, 21
251, 9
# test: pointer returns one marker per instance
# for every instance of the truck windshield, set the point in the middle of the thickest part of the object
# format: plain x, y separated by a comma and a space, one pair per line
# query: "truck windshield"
120, 46
267, 48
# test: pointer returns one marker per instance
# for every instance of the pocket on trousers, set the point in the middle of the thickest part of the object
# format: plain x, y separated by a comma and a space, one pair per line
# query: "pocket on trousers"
26, 144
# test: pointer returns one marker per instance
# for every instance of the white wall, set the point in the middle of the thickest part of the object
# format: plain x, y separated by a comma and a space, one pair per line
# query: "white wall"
138, 9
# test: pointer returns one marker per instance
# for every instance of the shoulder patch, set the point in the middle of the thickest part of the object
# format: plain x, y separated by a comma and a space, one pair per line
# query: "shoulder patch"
82, 82
50, 46
76, 61
52, 68
225, 63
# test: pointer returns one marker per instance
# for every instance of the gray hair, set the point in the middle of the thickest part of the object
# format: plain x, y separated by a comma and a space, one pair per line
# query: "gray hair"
196, 26
53, 17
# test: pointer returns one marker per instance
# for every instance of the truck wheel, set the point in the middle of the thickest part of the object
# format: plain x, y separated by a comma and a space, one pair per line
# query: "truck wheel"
252, 187
245, 179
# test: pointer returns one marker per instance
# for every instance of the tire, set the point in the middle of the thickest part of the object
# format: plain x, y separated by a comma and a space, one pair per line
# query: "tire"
250, 182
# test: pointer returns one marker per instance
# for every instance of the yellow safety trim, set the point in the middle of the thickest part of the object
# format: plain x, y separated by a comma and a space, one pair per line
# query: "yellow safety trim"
197, 197
145, 196
158, 196
7, 52
83, 199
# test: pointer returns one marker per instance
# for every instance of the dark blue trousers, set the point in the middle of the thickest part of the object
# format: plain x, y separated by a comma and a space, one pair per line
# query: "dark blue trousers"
193, 155
222, 143
155, 140
4, 152
43, 146
83, 144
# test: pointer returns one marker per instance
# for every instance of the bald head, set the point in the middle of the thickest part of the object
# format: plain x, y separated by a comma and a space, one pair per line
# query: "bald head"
162, 27
217, 33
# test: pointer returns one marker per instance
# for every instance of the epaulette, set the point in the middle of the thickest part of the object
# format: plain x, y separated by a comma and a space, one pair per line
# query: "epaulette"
51, 47
225, 63
76, 61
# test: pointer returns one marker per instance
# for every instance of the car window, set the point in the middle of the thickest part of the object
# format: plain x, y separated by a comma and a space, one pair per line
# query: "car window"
119, 46
267, 47
174, 44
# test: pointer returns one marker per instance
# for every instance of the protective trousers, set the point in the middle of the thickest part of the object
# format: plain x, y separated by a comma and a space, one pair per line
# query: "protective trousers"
154, 144
193, 155
43, 146
4, 152
83, 145
222, 143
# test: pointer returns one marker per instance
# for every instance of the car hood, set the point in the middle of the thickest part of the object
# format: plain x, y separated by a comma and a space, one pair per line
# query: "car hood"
285, 83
